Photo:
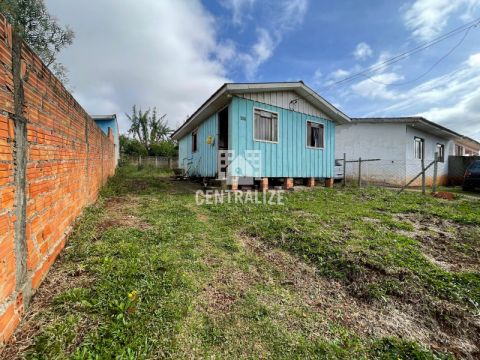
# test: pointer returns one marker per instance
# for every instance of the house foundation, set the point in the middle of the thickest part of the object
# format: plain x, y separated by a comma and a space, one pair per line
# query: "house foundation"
288, 183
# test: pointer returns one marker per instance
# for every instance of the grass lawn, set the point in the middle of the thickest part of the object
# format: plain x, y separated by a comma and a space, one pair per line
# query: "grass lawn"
333, 273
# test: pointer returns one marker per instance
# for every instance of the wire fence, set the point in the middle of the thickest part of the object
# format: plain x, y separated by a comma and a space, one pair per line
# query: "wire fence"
392, 173
153, 161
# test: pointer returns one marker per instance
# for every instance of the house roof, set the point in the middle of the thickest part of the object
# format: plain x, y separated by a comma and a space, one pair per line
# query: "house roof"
222, 96
425, 125
104, 117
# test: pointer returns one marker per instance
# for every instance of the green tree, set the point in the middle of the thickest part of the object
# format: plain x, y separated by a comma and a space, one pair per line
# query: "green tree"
32, 21
166, 148
148, 128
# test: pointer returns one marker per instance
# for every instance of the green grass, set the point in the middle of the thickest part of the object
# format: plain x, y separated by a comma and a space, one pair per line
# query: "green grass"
165, 278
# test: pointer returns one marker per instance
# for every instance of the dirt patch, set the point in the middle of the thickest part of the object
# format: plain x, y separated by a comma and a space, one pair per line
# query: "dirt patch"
444, 195
57, 282
335, 302
120, 213
227, 287
452, 246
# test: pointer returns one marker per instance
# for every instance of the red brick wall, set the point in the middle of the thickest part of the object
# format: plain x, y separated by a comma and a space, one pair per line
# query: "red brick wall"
68, 160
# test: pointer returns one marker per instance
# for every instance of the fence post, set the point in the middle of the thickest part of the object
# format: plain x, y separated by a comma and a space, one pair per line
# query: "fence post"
156, 162
359, 172
344, 169
423, 174
169, 162
435, 169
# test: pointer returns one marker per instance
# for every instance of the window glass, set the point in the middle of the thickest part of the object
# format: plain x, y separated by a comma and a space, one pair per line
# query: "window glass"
418, 148
194, 141
315, 135
265, 125
441, 152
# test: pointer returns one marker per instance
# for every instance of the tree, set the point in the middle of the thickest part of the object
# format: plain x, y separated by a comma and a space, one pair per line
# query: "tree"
132, 146
31, 20
146, 128
165, 148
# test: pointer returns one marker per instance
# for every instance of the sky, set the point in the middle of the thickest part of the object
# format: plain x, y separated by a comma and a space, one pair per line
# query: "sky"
174, 54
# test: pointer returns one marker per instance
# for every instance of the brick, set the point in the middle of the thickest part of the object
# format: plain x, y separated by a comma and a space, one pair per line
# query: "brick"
288, 183
58, 184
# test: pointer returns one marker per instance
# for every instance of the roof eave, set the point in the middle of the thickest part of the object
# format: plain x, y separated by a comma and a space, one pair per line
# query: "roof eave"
237, 88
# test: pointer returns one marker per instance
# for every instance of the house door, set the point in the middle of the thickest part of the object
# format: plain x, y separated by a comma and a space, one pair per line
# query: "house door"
223, 129
223, 155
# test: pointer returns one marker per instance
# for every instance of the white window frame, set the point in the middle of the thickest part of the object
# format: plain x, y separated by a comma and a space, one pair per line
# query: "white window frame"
323, 134
422, 141
278, 126
459, 147
440, 158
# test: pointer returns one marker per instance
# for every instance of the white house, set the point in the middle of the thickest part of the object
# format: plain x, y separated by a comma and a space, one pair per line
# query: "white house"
400, 144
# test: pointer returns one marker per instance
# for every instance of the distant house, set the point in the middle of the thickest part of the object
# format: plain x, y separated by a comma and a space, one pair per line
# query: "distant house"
289, 128
107, 123
400, 144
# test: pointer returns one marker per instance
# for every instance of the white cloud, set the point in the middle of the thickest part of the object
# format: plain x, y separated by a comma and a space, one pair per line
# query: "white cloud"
428, 18
261, 51
317, 77
363, 51
239, 8
225, 51
286, 16
452, 99
463, 116
376, 87
163, 53
474, 60
339, 74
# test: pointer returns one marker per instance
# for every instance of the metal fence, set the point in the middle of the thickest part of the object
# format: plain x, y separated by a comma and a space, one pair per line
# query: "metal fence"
391, 173
154, 161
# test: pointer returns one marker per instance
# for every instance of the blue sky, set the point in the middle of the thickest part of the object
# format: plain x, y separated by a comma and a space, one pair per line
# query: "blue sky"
173, 55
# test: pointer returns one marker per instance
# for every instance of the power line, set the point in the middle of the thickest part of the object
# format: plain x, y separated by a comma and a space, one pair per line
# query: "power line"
429, 69
410, 52
464, 28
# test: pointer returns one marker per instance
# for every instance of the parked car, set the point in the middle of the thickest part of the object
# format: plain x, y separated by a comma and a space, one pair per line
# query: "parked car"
471, 179
338, 170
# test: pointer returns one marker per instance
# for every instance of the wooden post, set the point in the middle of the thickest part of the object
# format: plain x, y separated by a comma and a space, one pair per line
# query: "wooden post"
344, 169
359, 172
169, 162
435, 170
156, 161
423, 175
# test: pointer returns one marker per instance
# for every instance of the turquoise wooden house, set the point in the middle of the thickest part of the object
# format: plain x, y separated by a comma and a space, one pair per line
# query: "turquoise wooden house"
264, 131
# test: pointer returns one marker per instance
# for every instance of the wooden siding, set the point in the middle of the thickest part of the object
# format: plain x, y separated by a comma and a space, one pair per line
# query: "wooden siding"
282, 100
204, 160
290, 157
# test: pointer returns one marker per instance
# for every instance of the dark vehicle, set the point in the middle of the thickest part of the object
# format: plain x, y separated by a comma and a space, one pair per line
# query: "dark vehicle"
471, 179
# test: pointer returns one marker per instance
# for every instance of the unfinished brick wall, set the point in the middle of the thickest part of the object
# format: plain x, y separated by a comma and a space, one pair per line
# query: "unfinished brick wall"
53, 161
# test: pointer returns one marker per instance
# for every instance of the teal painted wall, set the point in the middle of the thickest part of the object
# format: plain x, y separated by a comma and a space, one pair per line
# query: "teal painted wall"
290, 157
203, 162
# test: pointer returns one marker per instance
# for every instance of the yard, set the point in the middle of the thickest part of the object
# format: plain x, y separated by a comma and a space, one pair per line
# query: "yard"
333, 273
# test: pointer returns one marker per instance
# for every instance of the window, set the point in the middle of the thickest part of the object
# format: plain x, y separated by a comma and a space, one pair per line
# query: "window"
419, 148
314, 135
441, 152
458, 150
194, 141
265, 126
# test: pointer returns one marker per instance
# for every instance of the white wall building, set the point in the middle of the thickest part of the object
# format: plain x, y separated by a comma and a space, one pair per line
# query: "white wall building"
400, 144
